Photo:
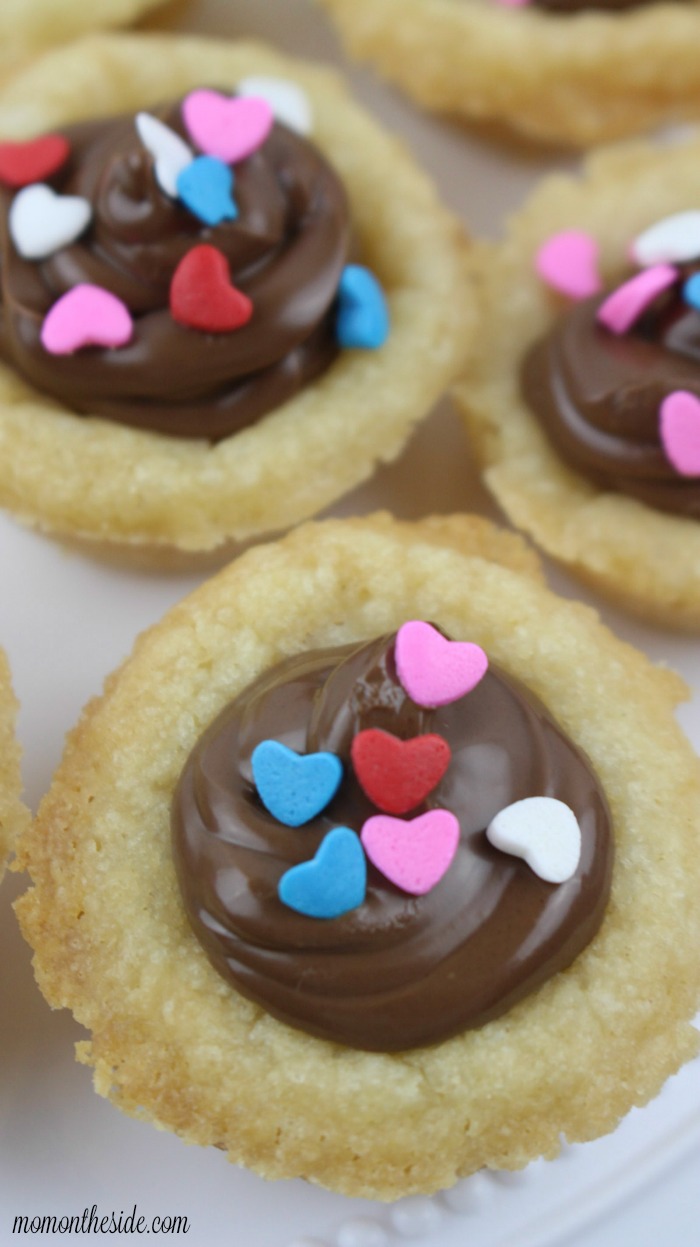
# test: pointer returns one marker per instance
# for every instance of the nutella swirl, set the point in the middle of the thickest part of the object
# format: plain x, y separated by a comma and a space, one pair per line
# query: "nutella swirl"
286, 251
597, 396
399, 971
579, 6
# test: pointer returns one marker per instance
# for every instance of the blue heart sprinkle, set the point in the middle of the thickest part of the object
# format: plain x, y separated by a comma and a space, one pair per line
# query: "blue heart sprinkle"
294, 787
363, 317
691, 291
205, 187
333, 882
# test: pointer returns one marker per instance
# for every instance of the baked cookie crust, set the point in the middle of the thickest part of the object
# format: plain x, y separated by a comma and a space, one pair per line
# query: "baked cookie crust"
646, 560
13, 815
174, 1044
80, 476
568, 79
30, 26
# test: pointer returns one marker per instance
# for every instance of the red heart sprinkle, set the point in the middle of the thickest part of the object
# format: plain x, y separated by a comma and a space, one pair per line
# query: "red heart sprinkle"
24, 163
397, 775
201, 294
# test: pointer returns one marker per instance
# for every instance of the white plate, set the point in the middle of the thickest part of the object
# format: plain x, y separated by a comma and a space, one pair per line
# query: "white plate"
66, 622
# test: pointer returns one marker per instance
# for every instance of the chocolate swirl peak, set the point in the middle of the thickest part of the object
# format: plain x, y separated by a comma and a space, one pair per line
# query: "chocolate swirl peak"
399, 971
286, 251
598, 395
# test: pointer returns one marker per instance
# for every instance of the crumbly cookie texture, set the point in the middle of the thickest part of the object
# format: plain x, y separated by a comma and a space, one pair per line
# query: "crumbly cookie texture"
30, 26
85, 477
646, 560
173, 1043
566, 79
13, 815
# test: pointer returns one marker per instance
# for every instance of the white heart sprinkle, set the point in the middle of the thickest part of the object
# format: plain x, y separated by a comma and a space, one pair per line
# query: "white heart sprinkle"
170, 153
41, 222
544, 832
673, 240
288, 102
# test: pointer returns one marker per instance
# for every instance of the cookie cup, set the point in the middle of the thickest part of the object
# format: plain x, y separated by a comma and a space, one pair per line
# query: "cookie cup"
173, 1043
13, 815
573, 79
86, 477
646, 560
27, 27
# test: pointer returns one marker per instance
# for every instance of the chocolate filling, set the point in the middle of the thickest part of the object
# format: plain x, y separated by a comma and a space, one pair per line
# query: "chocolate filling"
400, 971
597, 395
579, 6
286, 250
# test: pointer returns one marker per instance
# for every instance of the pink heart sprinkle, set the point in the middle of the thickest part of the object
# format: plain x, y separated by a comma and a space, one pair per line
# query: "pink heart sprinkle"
433, 670
568, 262
625, 305
230, 129
86, 316
414, 855
679, 429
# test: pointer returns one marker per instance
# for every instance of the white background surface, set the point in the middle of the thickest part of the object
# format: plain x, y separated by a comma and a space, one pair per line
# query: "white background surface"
66, 622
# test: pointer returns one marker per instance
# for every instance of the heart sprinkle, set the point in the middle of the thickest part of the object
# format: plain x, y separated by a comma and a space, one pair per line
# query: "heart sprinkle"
332, 883
691, 291
86, 316
625, 305
41, 222
363, 317
568, 263
171, 154
205, 187
288, 102
674, 240
433, 670
230, 129
544, 832
397, 775
24, 163
413, 855
294, 787
679, 430
202, 296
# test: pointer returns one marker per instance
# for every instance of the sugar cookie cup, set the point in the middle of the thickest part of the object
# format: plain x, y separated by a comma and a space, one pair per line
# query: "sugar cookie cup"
574, 79
85, 477
28, 27
13, 815
641, 557
172, 1042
